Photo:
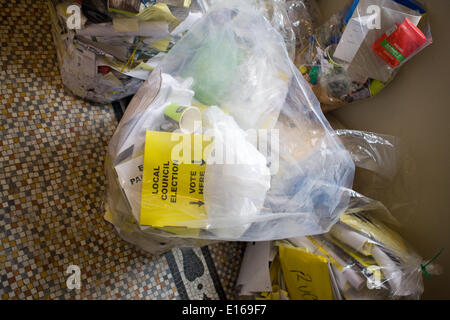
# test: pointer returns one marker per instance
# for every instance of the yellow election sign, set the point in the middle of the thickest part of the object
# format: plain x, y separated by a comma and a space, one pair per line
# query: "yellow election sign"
306, 275
173, 179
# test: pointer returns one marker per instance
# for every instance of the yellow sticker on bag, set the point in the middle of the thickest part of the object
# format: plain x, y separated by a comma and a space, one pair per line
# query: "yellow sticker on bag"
173, 179
306, 275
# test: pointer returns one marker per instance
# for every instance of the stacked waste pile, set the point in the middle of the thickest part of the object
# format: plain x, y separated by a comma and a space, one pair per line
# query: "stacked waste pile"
106, 48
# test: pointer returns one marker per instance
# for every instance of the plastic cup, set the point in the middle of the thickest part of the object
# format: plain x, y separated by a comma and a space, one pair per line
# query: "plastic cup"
184, 116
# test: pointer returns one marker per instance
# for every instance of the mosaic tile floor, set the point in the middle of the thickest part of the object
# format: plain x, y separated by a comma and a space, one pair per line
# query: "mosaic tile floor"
52, 148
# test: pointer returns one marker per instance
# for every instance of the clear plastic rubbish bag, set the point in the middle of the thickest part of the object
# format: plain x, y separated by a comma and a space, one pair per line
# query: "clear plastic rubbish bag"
269, 165
359, 50
361, 257
367, 259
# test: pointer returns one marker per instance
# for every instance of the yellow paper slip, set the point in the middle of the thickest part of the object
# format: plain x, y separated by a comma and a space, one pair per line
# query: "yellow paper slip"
113, 79
173, 179
156, 12
276, 279
159, 12
376, 230
306, 275
126, 25
160, 45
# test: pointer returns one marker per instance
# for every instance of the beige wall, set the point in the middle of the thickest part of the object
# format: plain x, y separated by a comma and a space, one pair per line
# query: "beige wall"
416, 107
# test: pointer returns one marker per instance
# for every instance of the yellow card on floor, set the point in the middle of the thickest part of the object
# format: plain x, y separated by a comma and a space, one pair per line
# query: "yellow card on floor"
306, 275
173, 179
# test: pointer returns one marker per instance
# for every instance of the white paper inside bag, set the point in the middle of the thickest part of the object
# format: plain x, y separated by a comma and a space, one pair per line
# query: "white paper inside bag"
254, 275
130, 178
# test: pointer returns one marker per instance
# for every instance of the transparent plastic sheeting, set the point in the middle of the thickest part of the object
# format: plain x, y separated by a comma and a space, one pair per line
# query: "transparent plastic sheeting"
372, 151
385, 171
295, 20
304, 16
358, 51
275, 11
233, 67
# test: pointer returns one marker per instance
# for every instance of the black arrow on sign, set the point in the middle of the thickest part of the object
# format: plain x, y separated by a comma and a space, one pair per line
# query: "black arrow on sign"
199, 203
